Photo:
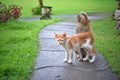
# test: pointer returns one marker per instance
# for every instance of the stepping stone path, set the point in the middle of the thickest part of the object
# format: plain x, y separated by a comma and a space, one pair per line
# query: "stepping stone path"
69, 16
49, 62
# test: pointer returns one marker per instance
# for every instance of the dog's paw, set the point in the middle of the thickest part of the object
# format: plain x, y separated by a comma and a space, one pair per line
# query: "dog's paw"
78, 57
80, 60
65, 60
85, 59
70, 61
91, 61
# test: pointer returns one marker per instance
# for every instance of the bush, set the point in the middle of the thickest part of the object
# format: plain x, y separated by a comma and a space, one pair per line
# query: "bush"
36, 11
15, 11
9, 11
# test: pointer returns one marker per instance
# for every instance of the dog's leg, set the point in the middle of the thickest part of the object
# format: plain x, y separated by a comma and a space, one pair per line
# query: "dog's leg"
87, 55
93, 51
77, 54
80, 57
66, 56
93, 59
70, 56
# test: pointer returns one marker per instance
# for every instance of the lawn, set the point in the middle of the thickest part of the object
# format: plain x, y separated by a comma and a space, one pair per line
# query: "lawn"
66, 6
107, 42
19, 39
19, 47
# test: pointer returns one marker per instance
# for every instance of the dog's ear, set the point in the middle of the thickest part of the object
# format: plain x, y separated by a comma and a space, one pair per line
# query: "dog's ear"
55, 34
79, 18
64, 34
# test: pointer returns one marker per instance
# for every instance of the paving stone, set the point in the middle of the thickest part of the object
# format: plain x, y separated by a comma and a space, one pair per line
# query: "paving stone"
55, 59
49, 62
70, 16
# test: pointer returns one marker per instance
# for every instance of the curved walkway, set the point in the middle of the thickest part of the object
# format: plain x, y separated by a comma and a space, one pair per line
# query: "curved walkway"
70, 16
49, 62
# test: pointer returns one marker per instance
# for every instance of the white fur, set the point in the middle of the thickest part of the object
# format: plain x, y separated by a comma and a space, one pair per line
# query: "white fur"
87, 44
69, 53
87, 56
92, 60
65, 44
70, 56
66, 57
76, 46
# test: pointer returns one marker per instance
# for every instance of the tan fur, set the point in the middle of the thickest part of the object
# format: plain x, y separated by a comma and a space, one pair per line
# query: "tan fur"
77, 41
81, 27
80, 39
81, 24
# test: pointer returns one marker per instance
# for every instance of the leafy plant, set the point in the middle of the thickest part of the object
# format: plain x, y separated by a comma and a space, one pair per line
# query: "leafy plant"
36, 11
4, 12
15, 11
9, 11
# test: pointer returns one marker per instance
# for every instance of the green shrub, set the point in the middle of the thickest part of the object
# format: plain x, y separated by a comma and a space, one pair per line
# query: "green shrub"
36, 11
9, 11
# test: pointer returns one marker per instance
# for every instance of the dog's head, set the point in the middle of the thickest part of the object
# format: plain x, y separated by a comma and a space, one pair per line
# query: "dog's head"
82, 22
60, 37
81, 19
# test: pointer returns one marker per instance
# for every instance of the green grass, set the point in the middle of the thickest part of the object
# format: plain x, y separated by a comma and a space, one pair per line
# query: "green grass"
75, 6
19, 40
19, 47
66, 6
107, 42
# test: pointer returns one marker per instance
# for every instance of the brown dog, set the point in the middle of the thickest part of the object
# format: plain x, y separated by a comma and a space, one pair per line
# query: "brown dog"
81, 24
81, 27
76, 42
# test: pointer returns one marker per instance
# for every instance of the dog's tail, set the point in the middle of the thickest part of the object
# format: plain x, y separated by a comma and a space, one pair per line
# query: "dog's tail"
78, 18
87, 21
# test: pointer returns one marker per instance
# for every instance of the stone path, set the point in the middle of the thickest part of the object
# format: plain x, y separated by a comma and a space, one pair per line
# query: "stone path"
49, 62
70, 16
